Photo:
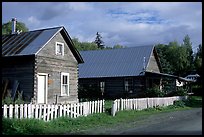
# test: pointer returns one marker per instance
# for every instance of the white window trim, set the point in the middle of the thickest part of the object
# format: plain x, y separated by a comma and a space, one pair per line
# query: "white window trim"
64, 74
56, 53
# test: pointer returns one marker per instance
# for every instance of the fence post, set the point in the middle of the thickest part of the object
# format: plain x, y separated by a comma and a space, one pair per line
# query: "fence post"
36, 111
113, 108
85, 108
5, 111
16, 111
147, 102
10, 111
21, 111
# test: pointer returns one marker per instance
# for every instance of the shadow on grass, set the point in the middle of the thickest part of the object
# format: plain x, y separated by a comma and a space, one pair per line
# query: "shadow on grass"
194, 101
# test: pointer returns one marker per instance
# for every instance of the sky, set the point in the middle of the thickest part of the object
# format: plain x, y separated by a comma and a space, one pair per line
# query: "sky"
128, 24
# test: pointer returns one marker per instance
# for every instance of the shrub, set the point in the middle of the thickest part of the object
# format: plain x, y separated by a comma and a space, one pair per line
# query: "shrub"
154, 92
180, 92
17, 100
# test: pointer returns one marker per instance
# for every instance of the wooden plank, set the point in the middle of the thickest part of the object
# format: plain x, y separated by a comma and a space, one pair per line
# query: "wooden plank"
56, 111
5, 111
21, 111
5, 85
16, 111
25, 110
10, 111
14, 89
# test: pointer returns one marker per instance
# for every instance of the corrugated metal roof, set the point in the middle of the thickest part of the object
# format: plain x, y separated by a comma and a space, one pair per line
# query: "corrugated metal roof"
27, 43
114, 62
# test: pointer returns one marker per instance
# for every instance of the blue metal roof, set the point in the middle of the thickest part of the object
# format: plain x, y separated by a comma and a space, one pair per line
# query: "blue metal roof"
114, 62
30, 43
27, 43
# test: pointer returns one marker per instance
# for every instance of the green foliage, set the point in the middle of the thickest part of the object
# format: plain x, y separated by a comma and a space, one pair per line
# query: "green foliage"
179, 103
99, 41
17, 100
198, 60
194, 101
83, 46
66, 125
154, 92
176, 58
7, 27
179, 92
197, 90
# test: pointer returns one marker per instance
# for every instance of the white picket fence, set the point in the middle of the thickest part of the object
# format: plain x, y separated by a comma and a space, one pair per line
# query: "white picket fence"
143, 103
48, 112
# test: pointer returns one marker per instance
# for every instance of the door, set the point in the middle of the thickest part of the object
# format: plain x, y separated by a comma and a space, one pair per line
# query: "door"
42, 88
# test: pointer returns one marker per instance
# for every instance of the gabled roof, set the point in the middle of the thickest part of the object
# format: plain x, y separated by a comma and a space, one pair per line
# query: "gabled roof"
115, 62
30, 43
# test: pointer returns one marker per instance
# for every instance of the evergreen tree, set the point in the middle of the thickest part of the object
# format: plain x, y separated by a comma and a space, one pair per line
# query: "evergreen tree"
198, 60
99, 42
188, 45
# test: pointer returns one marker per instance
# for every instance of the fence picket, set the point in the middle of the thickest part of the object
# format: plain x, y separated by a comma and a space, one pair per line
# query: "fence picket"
44, 112
5, 110
16, 111
48, 112
10, 111
21, 111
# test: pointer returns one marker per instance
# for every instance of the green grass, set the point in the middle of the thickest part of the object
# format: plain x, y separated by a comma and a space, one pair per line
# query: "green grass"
65, 125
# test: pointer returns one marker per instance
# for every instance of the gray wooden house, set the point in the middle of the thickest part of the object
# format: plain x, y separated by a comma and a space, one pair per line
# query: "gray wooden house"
45, 64
125, 72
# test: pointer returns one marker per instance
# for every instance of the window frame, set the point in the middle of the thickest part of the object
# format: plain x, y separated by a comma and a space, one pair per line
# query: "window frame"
128, 84
62, 84
56, 47
102, 86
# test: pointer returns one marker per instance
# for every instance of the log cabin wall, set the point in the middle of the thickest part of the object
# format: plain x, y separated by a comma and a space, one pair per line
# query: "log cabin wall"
48, 62
20, 68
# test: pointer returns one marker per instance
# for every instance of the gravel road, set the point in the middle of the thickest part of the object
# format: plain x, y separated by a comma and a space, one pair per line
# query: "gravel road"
185, 122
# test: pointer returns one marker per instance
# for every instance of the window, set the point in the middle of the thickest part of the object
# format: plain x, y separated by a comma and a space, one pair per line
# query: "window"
65, 84
102, 86
59, 48
129, 85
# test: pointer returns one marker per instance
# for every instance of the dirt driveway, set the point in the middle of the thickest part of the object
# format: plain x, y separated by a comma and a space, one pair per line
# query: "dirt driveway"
185, 122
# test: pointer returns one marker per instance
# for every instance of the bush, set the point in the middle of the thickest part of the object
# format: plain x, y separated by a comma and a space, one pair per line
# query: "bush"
179, 103
17, 100
180, 92
154, 92
197, 90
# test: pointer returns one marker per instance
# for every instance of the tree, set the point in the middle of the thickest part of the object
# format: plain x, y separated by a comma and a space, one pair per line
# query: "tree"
174, 57
98, 41
166, 66
188, 45
7, 27
198, 60
81, 46
117, 46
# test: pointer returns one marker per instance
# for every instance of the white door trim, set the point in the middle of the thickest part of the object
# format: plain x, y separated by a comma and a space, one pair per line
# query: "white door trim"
46, 85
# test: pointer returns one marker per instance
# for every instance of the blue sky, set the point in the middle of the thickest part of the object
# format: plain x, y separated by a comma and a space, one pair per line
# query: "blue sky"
126, 23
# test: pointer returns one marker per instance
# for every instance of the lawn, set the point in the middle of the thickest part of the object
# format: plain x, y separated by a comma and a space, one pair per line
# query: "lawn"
66, 125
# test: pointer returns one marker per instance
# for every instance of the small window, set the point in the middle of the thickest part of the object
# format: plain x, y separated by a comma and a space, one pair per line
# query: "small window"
65, 84
59, 48
102, 86
128, 84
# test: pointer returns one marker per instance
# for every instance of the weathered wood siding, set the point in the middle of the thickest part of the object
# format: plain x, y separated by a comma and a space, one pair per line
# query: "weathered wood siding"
48, 62
20, 68
115, 87
152, 65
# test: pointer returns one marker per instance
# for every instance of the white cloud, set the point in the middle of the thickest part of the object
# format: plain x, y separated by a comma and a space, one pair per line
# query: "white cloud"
129, 23
33, 20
